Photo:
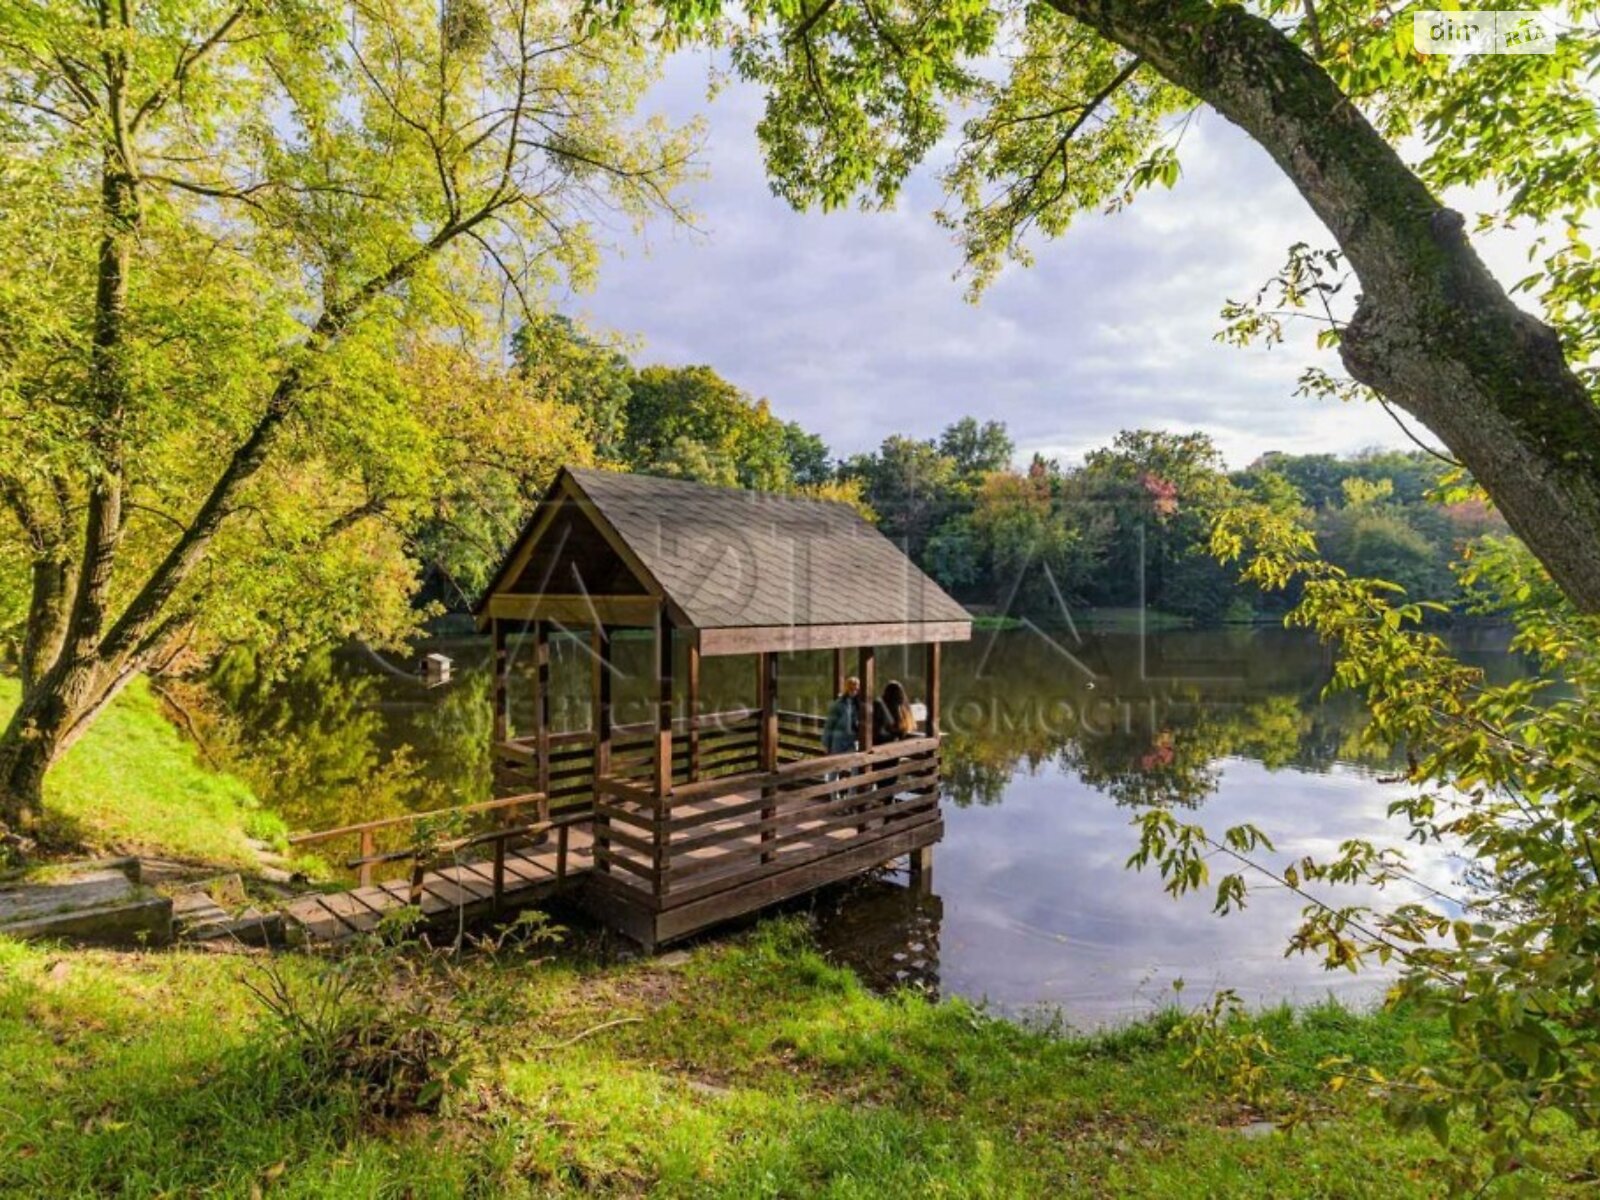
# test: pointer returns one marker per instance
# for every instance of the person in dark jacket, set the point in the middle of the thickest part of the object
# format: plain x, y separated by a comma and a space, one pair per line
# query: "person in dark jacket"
839, 732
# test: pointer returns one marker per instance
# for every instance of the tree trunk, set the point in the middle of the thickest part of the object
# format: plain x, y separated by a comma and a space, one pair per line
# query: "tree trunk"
1434, 332
23, 763
48, 608
31, 743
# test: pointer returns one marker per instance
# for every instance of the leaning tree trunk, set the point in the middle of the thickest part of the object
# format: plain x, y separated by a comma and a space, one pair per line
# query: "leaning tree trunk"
1434, 331
23, 763
31, 743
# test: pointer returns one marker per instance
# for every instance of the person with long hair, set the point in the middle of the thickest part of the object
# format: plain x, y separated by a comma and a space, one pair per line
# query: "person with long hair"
892, 718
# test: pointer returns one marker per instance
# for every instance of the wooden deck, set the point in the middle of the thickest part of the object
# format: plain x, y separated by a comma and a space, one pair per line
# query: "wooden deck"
726, 839
447, 894
667, 866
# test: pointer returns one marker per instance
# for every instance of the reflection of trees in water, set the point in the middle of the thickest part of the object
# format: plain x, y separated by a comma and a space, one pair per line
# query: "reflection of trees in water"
336, 741
347, 738
1138, 735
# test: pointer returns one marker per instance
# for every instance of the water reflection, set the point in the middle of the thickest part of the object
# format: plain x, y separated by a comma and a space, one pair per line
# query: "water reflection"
886, 930
1052, 744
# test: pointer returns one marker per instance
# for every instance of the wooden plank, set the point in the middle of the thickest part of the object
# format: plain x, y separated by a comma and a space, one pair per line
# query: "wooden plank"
350, 912
572, 609
642, 845
874, 785
482, 806
867, 671
447, 891
756, 638
622, 907
802, 848
523, 870
501, 691
606, 859
467, 878
681, 920
755, 780
794, 825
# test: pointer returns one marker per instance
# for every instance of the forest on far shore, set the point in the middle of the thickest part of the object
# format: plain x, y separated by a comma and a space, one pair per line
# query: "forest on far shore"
1126, 527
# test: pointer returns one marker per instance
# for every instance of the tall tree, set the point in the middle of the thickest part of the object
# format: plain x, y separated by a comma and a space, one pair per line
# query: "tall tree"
692, 423
909, 484
571, 365
220, 219
860, 91
977, 449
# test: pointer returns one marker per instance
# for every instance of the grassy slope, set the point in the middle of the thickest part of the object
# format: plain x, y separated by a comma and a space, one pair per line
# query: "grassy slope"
133, 784
756, 1069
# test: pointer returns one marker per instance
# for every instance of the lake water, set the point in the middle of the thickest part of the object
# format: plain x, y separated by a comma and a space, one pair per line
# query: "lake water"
1054, 743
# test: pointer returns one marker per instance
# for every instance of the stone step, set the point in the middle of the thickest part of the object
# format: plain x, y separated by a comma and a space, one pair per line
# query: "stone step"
96, 904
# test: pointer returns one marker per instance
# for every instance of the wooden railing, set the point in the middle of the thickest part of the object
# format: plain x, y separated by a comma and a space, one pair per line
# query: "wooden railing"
715, 834
724, 822
717, 744
371, 837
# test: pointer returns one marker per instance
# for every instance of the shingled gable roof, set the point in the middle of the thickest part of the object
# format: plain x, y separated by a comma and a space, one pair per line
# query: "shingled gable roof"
726, 558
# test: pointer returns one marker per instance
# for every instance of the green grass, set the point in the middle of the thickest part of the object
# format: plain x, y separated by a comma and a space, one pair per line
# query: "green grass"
755, 1070
133, 784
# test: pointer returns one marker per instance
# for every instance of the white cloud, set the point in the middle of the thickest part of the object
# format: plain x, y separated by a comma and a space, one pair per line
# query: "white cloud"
852, 323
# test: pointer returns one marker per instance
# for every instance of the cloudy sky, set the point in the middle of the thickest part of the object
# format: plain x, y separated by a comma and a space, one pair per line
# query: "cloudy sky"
853, 324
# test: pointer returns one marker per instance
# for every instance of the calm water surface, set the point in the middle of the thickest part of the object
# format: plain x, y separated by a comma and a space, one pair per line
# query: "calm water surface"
1054, 744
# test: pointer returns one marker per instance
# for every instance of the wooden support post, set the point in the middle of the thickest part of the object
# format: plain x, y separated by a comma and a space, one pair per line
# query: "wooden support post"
868, 671
922, 870
768, 742
369, 847
499, 871
662, 781
767, 663
602, 738
541, 712
501, 665
693, 707
838, 671
932, 683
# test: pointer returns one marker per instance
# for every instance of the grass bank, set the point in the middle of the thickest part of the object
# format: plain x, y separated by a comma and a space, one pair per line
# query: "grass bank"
134, 784
752, 1069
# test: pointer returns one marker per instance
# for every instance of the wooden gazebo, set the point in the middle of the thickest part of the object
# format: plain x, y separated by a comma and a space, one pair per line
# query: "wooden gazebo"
700, 816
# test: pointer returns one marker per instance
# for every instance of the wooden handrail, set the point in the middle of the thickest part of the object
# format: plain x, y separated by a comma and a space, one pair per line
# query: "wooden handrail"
752, 780
436, 852
707, 722
324, 835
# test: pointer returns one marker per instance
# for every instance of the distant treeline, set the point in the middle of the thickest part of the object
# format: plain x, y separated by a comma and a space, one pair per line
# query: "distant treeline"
1128, 526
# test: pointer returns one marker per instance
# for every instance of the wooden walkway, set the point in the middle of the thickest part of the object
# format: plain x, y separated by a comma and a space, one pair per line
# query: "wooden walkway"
465, 891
